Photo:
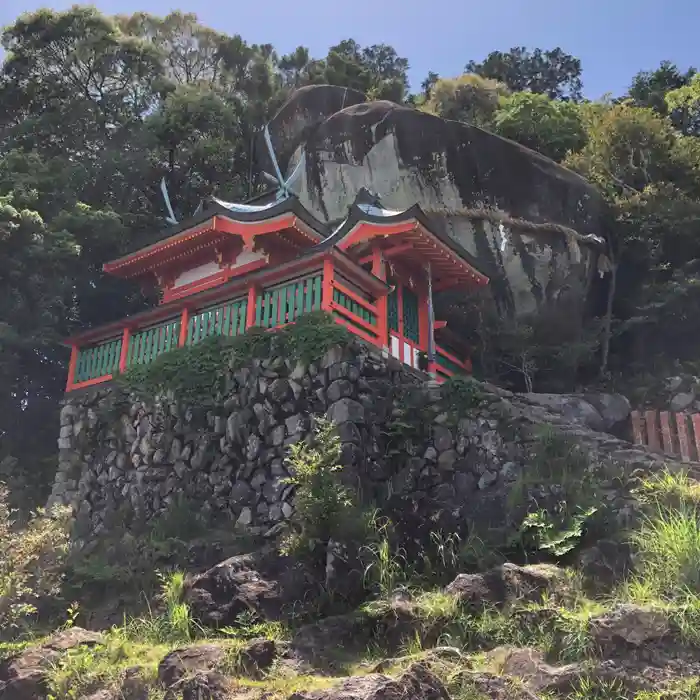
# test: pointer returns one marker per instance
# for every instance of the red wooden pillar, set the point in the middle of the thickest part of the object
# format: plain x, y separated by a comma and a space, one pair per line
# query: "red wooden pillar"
250, 306
327, 288
126, 337
72, 366
184, 323
379, 271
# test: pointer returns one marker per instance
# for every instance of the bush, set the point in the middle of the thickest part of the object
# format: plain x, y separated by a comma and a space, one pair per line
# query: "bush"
32, 560
324, 509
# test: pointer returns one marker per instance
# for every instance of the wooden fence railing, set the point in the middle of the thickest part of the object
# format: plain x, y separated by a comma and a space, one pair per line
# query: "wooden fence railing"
674, 434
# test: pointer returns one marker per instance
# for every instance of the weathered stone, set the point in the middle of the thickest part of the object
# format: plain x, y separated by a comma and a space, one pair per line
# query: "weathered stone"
447, 459
183, 662
630, 624
504, 584
295, 424
681, 401
245, 518
346, 410
240, 493
487, 479
442, 438
339, 389
279, 391
277, 435
417, 683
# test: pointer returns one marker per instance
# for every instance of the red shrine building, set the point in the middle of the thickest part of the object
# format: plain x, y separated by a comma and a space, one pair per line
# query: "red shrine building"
235, 266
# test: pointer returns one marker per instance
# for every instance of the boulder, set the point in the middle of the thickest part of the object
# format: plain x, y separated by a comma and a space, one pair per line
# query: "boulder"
257, 657
262, 582
573, 408
417, 683
633, 625
181, 663
614, 409
206, 686
605, 564
543, 237
504, 584
24, 676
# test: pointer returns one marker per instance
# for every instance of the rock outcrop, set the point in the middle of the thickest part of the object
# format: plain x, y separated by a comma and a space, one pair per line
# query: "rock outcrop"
536, 228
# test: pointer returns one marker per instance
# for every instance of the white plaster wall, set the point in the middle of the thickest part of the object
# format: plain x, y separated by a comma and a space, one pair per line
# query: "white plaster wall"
197, 273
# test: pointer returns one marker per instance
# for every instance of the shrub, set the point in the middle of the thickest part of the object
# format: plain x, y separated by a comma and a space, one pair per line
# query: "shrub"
324, 509
32, 560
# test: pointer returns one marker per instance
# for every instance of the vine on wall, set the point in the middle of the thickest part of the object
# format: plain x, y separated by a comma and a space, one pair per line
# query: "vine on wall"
199, 373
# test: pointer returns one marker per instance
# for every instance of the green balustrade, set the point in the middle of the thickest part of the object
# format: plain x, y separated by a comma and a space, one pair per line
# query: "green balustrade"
284, 304
351, 305
227, 319
448, 364
148, 344
98, 361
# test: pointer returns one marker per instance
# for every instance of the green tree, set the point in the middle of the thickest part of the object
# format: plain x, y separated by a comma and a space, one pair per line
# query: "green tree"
684, 105
468, 98
552, 127
649, 88
553, 73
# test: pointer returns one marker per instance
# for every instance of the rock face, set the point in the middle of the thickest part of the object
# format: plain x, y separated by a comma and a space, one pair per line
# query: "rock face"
127, 463
535, 227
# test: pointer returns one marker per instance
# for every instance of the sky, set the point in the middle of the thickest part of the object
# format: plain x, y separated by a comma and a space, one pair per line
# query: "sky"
613, 38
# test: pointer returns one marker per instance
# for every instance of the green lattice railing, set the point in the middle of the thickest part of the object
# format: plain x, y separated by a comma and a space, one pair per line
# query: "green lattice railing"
284, 304
226, 319
149, 343
351, 305
98, 361
448, 364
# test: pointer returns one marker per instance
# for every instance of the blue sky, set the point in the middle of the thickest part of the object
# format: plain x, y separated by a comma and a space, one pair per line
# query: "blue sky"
613, 38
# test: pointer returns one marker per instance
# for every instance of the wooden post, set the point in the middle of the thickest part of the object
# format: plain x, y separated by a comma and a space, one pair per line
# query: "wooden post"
126, 337
72, 366
379, 271
327, 293
250, 307
184, 323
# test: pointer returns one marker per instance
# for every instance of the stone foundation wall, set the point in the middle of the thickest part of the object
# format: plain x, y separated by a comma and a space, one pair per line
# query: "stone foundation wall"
404, 445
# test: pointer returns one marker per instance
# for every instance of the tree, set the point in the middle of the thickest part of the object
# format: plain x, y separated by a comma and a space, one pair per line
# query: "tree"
549, 126
683, 103
469, 98
553, 73
376, 70
628, 148
649, 88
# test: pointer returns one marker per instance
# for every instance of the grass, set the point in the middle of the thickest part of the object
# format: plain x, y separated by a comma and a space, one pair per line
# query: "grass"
454, 641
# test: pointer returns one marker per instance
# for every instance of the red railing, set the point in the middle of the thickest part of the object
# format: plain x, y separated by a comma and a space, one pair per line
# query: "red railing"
674, 434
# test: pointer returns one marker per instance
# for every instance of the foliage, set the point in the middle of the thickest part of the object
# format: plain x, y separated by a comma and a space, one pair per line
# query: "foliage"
539, 532
32, 560
649, 88
553, 73
200, 373
551, 127
324, 508
468, 98
462, 394
684, 103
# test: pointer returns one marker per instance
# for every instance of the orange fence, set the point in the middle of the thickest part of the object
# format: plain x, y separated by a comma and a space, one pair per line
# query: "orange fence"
674, 434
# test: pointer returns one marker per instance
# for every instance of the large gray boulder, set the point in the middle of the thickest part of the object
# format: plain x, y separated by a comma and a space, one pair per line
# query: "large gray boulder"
535, 228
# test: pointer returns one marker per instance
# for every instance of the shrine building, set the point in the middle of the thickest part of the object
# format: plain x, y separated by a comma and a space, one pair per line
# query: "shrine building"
235, 266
